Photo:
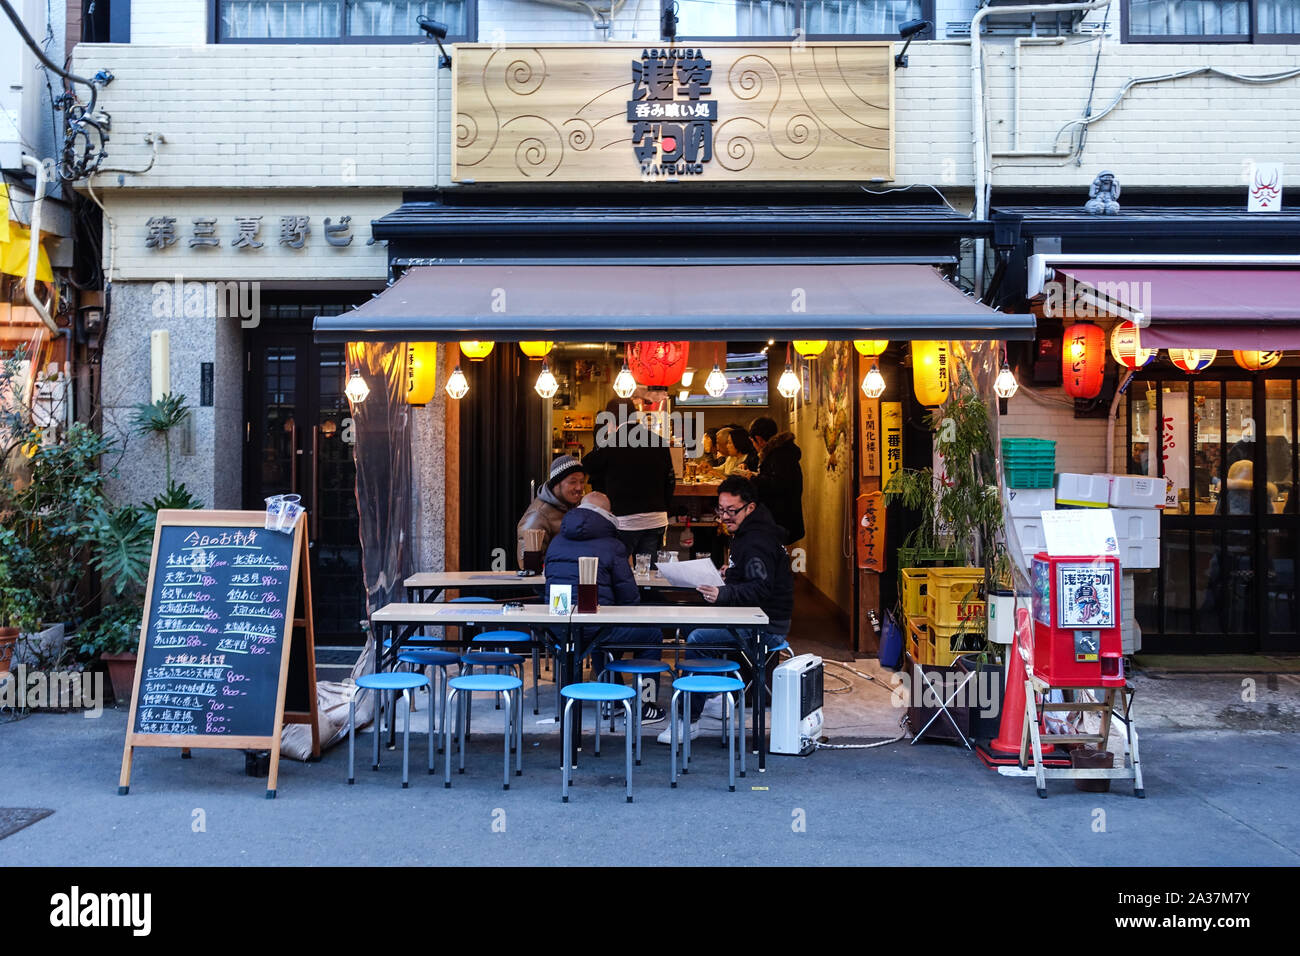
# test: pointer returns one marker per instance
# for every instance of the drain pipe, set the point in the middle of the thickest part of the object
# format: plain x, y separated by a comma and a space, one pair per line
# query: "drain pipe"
33, 250
977, 105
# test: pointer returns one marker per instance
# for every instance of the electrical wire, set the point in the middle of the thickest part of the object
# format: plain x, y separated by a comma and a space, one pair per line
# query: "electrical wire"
902, 722
899, 189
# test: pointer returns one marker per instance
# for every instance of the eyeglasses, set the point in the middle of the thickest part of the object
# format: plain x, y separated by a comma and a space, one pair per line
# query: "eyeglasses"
725, 513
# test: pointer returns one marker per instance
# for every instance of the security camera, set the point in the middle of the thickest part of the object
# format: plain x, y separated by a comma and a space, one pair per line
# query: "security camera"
909, 31
435, 29
438, 31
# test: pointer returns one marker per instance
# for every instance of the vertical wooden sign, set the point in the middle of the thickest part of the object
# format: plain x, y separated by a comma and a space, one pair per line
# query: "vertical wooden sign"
871, 531
891, 440
869, 447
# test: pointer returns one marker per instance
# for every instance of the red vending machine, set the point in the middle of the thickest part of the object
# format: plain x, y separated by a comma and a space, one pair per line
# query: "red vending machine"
1077, 641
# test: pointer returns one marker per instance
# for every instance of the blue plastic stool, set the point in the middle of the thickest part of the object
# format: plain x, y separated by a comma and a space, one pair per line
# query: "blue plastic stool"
642, 670
438, 661
394, 682
708, 665
508, 639
514, 731
472, 661
709, 684
599, 693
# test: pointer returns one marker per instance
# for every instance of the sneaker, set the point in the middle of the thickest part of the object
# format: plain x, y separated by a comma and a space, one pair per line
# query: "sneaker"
714, 708
652, 713
666, 736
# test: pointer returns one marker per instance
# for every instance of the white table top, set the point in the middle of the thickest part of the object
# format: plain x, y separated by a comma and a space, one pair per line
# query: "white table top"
697, 615
668, 615
505, 579
415, 612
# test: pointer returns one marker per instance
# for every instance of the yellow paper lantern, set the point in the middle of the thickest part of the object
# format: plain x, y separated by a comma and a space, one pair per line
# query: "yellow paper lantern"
811, 349
1257, 361
421, 372
930, 372
536, 350
870, 347
476, 351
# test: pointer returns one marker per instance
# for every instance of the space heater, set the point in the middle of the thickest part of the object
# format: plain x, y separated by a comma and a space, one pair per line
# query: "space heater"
797, 705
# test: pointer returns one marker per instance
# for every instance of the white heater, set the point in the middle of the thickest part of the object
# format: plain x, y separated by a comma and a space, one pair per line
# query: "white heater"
797, 690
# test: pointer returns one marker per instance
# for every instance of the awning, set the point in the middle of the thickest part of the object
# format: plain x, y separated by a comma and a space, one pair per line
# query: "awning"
510, 302
1206, 308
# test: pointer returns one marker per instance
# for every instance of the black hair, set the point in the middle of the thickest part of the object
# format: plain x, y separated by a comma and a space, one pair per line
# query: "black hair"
741, 487
740, 438
763, 427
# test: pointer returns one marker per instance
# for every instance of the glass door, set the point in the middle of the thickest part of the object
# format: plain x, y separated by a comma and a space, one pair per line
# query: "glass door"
1227, 446
297, 441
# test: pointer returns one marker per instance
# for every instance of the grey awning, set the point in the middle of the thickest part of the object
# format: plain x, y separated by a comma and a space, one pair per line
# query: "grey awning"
509, 302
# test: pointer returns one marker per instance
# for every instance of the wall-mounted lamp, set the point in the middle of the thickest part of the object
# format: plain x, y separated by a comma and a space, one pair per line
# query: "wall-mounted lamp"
909, 31
438, 31
356, 389
668, 25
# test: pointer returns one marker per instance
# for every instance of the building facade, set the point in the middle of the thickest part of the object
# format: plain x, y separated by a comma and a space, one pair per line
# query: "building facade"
256, 146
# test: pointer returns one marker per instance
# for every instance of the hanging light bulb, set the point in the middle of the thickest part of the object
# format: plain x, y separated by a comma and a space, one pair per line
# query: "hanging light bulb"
457, 386
789, 383
716, 383
1005, 385
546, 384
688, 377
683, 395
624, 383
873, 385
356, 390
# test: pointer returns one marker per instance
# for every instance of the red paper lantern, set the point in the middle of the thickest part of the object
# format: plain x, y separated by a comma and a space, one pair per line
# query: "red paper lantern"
1083, 360
657, 364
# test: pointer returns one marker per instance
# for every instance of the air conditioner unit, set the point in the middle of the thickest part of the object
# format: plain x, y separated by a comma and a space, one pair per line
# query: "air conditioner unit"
797, 705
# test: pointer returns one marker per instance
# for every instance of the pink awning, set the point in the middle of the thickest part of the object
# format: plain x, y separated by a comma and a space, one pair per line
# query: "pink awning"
1243, 308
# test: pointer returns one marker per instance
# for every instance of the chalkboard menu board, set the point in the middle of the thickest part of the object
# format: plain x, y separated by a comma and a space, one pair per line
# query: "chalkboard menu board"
217, 635
212, 653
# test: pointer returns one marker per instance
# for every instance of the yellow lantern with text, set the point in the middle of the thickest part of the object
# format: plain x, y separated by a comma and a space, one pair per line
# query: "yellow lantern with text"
536, 350
421, 372
1192, 360
930, 372
870, 347
476, 351
1257, 361
810, 348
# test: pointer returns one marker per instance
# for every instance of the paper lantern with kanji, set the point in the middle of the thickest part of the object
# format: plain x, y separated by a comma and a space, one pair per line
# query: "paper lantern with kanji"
476, 351
930, 372
421, 372
657, 364
1083, 360
870, 347
1126, 346
1257, 361
1192, 360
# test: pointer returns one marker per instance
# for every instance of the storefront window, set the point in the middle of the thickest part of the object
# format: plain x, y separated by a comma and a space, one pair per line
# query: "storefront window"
811, 18
1279, 446
1207, 439
1140, 459
335, 20
1175, 442
1279, 581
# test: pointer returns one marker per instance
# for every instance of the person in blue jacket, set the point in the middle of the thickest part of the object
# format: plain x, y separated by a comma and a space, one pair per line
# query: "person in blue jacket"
590, 530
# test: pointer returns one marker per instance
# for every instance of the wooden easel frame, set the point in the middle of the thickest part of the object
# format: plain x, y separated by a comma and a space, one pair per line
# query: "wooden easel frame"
299, 574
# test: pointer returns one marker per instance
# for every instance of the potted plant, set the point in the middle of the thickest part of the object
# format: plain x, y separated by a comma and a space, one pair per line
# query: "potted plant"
113, 636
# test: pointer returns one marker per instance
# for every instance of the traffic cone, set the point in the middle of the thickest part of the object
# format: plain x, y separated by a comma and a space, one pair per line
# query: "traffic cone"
1013, 699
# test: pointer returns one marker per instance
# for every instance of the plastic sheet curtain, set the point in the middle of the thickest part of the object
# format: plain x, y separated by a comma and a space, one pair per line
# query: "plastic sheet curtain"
382, 448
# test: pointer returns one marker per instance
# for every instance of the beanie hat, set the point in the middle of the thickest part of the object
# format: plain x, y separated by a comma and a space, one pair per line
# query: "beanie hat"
561, 468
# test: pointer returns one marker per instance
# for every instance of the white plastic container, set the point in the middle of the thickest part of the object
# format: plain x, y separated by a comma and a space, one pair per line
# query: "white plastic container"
1030, 533
1138, 554
1083, 491
1031, 502
1137, 524
1002, 618
1136, 491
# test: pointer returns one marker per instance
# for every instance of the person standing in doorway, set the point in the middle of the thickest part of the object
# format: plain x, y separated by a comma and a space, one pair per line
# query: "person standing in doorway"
631, 464
780, 476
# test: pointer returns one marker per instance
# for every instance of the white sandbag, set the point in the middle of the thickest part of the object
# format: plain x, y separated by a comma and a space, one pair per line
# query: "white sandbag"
332, 700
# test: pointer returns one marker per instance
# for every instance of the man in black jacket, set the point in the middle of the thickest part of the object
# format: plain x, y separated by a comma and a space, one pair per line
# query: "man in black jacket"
632, 465
588, 531
780, 477
757, 574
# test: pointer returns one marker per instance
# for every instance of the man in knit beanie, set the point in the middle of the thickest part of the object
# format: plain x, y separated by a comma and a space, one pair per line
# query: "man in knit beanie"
561, 491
